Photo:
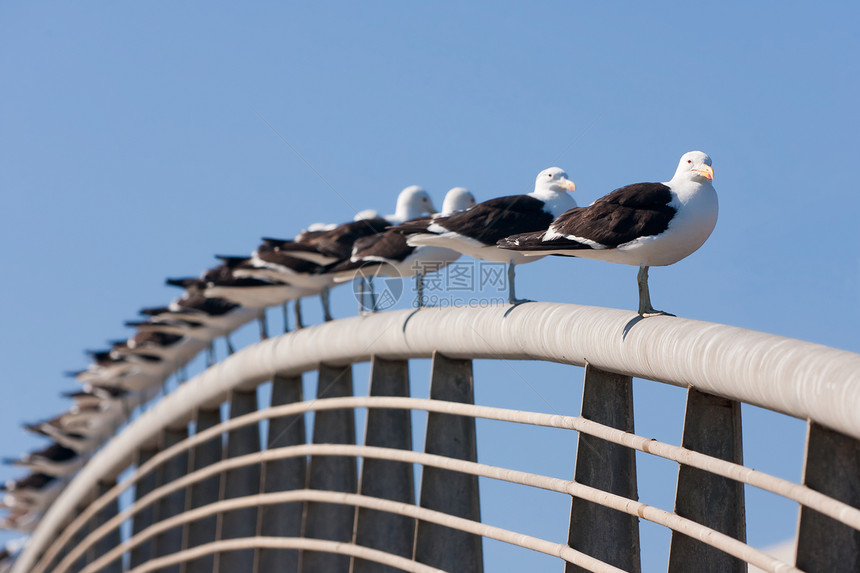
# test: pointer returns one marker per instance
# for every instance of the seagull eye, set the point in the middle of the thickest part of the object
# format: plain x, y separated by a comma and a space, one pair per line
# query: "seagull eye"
689, 161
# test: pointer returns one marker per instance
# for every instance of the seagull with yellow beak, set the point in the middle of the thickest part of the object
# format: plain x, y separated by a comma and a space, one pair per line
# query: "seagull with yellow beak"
476, 231
644, 224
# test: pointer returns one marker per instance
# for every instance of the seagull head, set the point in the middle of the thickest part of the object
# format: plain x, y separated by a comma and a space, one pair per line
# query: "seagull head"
695, 165
412, 203
457, 199
553, 180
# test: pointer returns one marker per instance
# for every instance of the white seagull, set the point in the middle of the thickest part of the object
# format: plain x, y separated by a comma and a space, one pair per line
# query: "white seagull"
389, 253
475, 232
644, 224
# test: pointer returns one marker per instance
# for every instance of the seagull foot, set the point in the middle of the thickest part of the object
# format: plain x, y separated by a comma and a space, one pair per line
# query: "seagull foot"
519, 301
651, 312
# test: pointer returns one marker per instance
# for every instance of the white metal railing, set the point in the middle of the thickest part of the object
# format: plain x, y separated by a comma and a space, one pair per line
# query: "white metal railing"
793, 377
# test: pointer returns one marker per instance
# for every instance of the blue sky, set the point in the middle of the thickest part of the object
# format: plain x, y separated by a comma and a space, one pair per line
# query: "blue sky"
135, 144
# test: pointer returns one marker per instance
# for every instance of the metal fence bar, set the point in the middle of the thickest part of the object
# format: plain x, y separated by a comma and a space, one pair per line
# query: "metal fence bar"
240, 482
147, 516
653, 514
777, 373
832, 467
110, 540
283, 520
712, 426
173, 504
596, 530
344, 550
386, 479
204, 492
333, 473
398, 508
802, 494
449, 491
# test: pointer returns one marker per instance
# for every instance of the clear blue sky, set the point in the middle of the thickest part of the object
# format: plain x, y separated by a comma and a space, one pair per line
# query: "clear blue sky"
132, 148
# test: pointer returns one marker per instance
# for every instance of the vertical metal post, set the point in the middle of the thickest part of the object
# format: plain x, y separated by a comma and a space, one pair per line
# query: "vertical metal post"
712, 426
832, 467
241, 482
598, 531
386, 479
146, 516
284, 520
77, 538
204, 492
447, 491
173, 504
112, 539
333, 473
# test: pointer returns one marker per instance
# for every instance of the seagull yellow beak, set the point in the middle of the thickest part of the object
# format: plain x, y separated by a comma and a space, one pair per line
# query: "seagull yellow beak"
705, 171
567, 184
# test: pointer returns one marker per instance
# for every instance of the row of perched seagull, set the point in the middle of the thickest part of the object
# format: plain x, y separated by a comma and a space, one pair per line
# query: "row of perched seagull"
644, 225
213, 305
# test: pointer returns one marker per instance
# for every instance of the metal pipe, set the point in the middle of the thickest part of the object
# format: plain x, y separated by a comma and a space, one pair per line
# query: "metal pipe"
381, 505
803, 495
653, 514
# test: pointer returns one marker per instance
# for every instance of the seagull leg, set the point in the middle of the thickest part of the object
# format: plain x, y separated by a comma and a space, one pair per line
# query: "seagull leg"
645, 308
299, 324
230, 349
264, 330
372, 294
210, 354
324, 296
419, 288
286, 314
512, 295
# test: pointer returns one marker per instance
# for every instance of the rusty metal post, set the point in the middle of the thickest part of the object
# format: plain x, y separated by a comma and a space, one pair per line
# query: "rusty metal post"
598, 531
386, 479
333, 473
712, 426
173, 504
146, 516
204, 492
240, 482
444, 490
832, 467
112, 539
284, 520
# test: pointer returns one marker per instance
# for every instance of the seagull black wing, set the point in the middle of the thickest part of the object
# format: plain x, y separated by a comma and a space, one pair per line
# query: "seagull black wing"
626, 214
492, 220
389, 245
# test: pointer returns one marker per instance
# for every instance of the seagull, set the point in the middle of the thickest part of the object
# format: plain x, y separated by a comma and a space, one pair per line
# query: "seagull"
279, 258
644, 224
33, 492
54, 460
336, 245
388, 253
225, 282
476, 231
219, 317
